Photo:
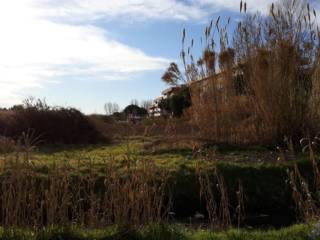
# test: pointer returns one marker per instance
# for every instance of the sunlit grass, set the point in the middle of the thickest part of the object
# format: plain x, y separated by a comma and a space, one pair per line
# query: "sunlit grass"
98, 155
165, 155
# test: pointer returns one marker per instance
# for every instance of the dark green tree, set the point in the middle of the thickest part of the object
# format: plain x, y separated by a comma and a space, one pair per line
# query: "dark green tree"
176, 104
135, 110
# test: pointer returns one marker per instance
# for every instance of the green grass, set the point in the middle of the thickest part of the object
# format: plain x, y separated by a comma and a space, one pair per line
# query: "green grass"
160, 232
265, 183
165, 155
84, 156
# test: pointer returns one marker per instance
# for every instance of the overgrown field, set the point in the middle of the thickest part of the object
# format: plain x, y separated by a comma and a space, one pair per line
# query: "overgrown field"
72, 172
207, 175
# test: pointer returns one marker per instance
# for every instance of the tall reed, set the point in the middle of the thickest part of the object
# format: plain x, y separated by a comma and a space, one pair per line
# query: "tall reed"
261, 83
305, 193
133, 195
214, 192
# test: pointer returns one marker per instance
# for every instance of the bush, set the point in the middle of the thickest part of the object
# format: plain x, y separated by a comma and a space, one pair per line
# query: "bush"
51, 125
135, 111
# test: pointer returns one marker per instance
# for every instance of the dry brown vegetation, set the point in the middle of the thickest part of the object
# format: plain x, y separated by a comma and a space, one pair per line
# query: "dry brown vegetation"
53, 125
305, 193
267, 88
216, 196
134, 195
263, 82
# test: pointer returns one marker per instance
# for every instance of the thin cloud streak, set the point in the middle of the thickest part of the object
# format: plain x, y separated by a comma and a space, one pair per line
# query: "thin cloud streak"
121, 10
141, 10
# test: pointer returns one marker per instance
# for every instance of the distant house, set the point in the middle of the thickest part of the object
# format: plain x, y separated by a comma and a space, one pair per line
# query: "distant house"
204, 86
219, 82
205, 83
169, 92
154, 110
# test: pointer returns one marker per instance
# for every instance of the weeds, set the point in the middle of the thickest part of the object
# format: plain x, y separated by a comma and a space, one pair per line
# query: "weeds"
240, 209
132, 196
305, 195
306, 207
216, 197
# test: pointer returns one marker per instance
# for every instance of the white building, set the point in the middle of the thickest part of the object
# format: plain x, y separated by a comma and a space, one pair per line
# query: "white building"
154, 110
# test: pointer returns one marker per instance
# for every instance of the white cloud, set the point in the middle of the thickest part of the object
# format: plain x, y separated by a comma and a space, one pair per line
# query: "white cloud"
138, 10
35, 50
127, 10
49, 40
234, 5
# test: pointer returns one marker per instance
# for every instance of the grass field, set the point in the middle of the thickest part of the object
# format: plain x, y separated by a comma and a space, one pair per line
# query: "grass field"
268, 196
162, 232
169, 154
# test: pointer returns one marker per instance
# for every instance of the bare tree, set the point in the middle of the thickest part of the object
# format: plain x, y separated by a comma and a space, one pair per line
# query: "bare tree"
134, 102
146, 104
111, 108
116, 107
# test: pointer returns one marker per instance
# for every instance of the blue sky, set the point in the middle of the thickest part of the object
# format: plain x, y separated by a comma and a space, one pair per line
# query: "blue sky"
83, 53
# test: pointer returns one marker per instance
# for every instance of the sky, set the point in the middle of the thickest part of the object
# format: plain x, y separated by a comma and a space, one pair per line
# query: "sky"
84, 53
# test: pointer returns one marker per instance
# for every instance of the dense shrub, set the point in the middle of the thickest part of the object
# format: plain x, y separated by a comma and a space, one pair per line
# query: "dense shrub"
135, 110
51, 125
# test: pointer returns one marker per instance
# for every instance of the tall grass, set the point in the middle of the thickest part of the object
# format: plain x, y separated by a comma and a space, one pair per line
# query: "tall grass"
261, 83
130, 196
306, 193
215, 194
